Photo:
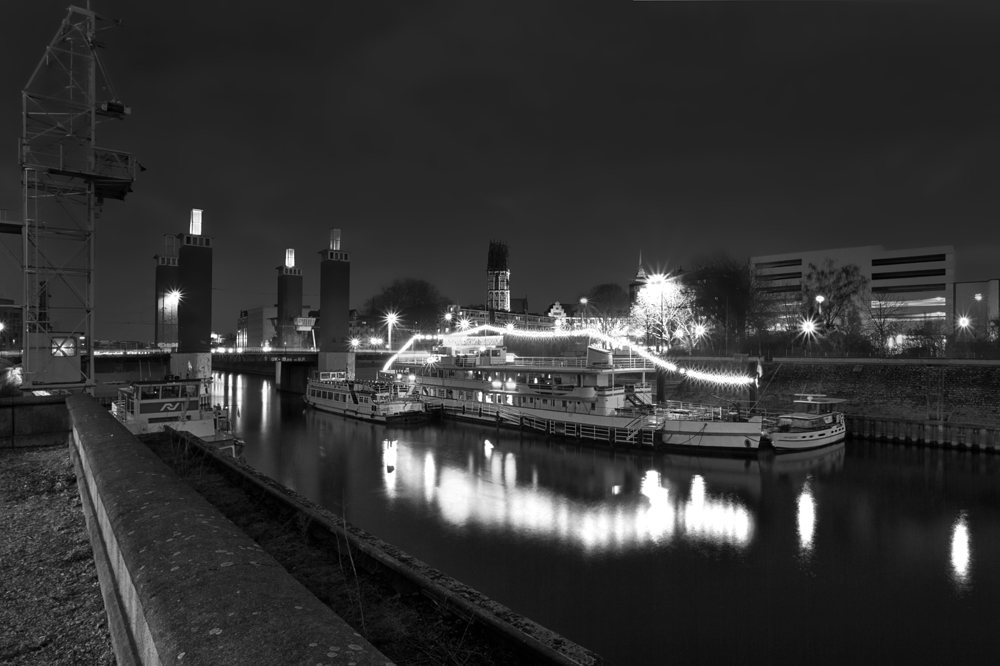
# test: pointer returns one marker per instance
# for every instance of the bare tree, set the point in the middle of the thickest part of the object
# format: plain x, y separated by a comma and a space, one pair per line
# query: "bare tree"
884, 320
840, 291
607, 307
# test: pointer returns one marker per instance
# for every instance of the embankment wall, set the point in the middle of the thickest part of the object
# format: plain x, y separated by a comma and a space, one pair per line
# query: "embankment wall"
181, 583
918, 389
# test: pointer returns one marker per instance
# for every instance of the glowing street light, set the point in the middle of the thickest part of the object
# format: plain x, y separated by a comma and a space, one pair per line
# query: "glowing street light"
375, 341
464, 324
819, 301
964, 322
355, 343
586, 311
391, 318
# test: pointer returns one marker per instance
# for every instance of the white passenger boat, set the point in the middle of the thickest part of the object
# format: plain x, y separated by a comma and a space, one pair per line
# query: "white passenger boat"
383, 401
475, 378
815, 423
182, 404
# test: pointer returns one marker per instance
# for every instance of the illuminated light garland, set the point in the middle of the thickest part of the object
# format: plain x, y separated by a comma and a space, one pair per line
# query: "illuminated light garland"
723, 378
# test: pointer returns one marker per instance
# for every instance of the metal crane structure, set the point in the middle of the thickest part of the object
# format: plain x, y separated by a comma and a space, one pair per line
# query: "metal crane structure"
66, 179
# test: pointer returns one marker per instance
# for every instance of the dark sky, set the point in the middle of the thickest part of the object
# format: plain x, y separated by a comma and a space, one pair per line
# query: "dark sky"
581, 133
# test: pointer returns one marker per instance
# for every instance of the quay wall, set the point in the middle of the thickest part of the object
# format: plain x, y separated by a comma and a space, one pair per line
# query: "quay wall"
966, 391
181, 583
33, 421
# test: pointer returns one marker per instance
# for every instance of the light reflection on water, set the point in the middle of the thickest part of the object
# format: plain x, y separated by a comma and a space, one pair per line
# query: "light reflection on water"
884, 544
492, 497
960, 552
806, 518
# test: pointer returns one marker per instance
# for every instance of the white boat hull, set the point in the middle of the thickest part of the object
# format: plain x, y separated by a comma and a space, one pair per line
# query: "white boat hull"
802, 441
406, 412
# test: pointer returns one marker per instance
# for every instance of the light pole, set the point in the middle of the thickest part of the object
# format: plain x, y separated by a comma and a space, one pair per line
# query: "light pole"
819, 301
583, 302
390, 319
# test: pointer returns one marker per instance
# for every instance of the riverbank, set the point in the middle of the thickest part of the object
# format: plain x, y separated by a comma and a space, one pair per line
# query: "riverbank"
51, 609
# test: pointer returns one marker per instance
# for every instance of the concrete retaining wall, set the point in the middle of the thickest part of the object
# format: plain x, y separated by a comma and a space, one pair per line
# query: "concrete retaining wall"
181, 583
33, 421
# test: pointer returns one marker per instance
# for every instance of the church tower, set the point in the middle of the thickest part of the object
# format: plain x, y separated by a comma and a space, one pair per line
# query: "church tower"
497, 278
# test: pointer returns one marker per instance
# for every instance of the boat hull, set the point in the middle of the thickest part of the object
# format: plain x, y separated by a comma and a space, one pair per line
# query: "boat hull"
805, 440
418, 414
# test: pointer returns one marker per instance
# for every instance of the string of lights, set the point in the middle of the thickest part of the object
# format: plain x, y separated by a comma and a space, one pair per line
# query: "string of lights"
721, 378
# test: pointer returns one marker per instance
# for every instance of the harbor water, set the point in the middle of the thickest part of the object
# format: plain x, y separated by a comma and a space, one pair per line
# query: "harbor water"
860, 553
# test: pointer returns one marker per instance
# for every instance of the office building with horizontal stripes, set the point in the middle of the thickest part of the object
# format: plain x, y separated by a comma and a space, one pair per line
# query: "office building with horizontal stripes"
917, 284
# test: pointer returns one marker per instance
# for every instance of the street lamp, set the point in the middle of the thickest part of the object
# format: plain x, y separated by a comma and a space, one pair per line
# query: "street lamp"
355, 343
583, 302
391, 318
819, 301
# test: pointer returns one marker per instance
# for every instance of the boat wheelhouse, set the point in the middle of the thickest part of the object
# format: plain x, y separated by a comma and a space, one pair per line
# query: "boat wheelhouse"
815, 423
381, 401
182, 404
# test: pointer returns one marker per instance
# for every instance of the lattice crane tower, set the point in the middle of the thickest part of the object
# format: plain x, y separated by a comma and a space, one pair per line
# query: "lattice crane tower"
66, 179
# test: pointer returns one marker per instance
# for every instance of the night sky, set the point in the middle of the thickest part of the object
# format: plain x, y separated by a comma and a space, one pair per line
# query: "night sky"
581, 133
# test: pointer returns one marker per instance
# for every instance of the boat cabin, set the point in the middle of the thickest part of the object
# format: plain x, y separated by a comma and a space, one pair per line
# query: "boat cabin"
813, 412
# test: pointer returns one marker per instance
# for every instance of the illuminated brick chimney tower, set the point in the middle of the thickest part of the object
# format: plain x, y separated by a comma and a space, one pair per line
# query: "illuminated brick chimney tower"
335, 353
497, 278
168, 291
289, 302
194, 309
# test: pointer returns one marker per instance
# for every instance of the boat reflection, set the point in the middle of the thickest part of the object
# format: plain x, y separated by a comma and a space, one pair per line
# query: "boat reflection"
677, 498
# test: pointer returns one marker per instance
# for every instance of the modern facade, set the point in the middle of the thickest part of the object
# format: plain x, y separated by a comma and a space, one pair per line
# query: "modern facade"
913, 285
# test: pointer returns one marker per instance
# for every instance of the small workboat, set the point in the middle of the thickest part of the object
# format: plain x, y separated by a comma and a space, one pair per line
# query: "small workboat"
815, 423
180, 404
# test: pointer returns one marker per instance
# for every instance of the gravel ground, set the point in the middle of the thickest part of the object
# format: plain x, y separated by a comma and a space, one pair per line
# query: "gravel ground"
51, 610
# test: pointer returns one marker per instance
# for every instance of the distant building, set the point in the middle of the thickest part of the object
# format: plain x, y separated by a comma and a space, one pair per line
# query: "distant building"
255, 327
637, 283
476, 316
497, 278
917, 282
977, 306
167, 292
10, 317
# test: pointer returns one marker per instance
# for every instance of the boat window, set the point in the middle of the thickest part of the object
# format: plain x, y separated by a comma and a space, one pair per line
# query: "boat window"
150, 392
171, 391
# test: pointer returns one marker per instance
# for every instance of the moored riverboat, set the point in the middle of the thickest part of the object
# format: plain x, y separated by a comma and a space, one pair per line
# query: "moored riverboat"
594, 396
181, 404
814, 423
382, 401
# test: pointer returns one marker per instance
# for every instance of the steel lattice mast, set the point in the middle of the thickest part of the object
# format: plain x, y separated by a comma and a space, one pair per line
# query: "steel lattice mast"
66, 178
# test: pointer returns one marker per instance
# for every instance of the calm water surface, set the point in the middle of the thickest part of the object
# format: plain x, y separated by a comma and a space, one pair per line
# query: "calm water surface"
864, 553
